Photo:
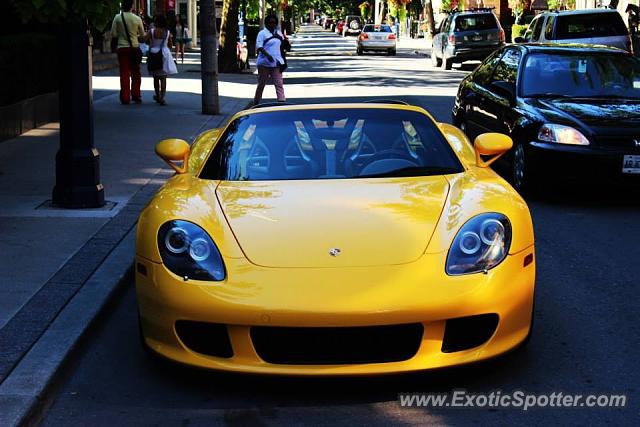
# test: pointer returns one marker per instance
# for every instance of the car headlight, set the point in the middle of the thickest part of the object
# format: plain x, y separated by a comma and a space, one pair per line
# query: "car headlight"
481, 244
561, 134
188, 251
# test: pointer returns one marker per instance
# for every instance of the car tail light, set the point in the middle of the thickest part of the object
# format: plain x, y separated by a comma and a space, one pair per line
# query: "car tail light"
391, 37
363, 36
452, 39
501, 36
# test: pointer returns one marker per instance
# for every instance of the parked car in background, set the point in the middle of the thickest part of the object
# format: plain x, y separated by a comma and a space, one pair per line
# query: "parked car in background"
327, 23
591, 26
465, 36
571, 111
352, 25
377, 38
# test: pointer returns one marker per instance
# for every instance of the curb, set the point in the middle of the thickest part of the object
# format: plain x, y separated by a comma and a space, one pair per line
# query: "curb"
23, 395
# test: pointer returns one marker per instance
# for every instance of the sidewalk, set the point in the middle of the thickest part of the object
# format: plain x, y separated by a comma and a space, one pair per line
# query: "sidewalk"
419, 46
51, 256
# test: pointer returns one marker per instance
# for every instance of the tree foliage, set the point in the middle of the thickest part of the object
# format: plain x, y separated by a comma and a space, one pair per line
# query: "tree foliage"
98, 13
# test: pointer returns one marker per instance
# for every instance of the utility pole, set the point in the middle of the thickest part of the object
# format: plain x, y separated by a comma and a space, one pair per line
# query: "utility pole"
77, 160
209, 58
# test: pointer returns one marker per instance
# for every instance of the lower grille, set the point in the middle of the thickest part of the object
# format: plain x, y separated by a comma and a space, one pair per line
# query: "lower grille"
211, 339
618, 142
333, 346
465, 333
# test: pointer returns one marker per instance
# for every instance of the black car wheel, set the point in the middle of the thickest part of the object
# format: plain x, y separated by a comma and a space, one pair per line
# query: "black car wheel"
521, 174
435, 61
392, 52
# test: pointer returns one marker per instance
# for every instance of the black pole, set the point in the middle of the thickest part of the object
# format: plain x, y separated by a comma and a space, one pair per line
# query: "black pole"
77, 161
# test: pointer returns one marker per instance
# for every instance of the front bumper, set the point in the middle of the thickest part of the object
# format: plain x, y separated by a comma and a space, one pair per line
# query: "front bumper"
417, 293
580, 162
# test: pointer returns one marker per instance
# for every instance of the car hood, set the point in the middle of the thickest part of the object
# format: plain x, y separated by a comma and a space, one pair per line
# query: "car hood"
365, 222
594, 114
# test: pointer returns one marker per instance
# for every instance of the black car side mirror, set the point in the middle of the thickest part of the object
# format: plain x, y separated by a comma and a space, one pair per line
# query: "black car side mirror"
504, 89
519, 40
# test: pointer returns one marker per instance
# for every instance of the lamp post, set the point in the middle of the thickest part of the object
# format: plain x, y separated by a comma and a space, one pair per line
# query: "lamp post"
77, 160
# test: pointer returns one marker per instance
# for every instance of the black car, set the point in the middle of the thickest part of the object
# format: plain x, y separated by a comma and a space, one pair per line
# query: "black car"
570, 110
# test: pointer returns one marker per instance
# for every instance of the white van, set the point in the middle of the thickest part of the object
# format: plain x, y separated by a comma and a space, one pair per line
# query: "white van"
589, 26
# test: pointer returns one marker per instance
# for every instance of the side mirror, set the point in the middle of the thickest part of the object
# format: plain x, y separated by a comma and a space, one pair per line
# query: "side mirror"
519, 39
174, 150
504, 89
491, 144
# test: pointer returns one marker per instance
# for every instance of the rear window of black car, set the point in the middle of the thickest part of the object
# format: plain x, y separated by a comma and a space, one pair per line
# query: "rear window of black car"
590, 25
475, 22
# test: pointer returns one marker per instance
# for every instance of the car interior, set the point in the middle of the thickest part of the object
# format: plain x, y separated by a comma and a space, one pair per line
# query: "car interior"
325, 148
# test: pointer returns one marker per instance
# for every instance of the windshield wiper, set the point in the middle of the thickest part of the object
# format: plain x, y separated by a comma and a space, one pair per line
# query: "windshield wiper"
413, 171
550, 95
606, 96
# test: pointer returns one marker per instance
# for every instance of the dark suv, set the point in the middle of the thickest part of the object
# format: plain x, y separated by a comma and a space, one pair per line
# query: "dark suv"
465, 36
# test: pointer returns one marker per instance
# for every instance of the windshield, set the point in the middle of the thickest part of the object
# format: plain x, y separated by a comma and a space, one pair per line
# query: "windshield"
588, 25
581, 75
377, 29
475, 22
330, 144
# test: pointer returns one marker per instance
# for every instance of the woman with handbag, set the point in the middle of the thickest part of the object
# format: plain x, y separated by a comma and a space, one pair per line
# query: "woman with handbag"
125, 30
160, 61
271, 62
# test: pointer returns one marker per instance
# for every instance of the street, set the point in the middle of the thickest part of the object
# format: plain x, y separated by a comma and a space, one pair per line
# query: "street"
584, 342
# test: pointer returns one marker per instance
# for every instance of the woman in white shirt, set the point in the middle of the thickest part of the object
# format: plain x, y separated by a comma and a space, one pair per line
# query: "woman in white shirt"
269, 59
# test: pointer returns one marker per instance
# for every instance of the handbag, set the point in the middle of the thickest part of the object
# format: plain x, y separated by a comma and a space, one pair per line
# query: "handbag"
136, 54
284, 47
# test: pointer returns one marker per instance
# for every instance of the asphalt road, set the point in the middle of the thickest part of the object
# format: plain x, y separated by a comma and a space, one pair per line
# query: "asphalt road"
585, 341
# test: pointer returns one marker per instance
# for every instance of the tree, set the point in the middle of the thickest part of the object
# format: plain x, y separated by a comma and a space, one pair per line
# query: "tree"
209, 58
229, 37
77, 160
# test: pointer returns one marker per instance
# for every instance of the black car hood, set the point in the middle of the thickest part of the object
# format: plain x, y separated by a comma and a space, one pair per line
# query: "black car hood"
594, 115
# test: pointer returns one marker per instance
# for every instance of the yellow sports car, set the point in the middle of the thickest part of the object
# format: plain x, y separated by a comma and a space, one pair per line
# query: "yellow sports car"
336, 239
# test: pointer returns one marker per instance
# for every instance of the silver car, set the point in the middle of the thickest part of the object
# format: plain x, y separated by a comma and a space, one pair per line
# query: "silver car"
376, 37
589, 26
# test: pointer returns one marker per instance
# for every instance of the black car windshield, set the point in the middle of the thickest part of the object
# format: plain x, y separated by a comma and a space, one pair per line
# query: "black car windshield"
582, 74
330, 144
475, 22
376, 28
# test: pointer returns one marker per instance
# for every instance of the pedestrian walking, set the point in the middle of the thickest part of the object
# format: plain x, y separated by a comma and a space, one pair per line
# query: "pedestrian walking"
182, 37
127, 27
271, 63
160, 61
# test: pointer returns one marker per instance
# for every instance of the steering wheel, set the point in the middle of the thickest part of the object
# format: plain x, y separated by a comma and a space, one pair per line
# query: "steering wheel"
405, 159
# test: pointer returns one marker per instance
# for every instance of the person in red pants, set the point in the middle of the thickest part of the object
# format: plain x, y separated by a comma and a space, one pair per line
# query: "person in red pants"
127, 44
